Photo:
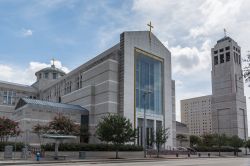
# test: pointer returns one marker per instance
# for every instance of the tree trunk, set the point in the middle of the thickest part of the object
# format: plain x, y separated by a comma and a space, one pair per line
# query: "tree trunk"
116, 154
56, 149
158, 150
219, 150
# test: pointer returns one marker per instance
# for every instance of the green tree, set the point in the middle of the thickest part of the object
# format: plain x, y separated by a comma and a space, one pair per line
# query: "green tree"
161, 138
247, 144
246, 68
195, 140
8, 128
84, 134
220, 140
236, 143
181, 138
208, 140
115, 129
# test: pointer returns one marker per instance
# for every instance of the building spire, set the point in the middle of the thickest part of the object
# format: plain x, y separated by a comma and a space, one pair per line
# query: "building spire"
53, 62
225, 32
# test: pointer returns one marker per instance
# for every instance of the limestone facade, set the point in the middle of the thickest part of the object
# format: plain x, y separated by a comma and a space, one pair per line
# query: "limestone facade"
229, 113
106, 84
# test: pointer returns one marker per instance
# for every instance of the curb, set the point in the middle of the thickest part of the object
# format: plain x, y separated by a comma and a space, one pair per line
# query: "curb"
28, 162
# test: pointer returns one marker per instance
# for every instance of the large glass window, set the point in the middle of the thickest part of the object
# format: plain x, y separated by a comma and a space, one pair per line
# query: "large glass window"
9, 97
148, 83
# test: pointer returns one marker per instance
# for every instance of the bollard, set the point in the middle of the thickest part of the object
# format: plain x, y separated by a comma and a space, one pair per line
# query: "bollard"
208, 155
177, 155
199, 155
37, 156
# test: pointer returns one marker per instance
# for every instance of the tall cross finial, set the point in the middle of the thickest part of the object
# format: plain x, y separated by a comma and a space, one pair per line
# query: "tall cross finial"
53, 62
225, 32
150, 26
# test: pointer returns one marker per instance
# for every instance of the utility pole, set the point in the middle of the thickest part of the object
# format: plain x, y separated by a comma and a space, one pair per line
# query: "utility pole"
145, 93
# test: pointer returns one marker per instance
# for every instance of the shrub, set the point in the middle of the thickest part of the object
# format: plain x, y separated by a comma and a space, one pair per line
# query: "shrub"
91, 147
214, 149
19, 146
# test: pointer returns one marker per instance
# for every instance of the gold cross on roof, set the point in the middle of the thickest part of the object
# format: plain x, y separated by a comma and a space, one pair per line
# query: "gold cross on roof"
150, 26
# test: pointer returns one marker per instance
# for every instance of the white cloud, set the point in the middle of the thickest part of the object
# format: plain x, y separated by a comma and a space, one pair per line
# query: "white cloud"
6, 72
216, 16
25, 75
27, 32
188, 60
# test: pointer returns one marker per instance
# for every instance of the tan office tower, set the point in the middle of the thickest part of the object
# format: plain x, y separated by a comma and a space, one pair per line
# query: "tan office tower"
196, 114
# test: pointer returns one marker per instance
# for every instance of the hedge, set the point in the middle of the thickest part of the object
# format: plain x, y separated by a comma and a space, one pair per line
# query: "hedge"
214, 149
19, 146
90, 147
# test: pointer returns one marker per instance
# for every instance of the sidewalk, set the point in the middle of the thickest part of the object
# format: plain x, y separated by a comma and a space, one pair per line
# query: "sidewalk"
152, 159
27, 162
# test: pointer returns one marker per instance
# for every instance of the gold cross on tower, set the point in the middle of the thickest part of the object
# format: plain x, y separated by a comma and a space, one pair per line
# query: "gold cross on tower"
150, 26
150, 30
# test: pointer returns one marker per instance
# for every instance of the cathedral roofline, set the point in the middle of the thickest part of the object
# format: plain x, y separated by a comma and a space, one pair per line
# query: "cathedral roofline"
20, 87
225, 39
12, 83
51, 69
24, 101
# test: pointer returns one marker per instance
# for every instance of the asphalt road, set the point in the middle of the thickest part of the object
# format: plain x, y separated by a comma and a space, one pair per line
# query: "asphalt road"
169, 162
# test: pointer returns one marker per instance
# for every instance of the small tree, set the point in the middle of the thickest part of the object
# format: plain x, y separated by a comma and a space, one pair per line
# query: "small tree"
194, 140
208, 140
39, 130
181, 138
247, 144
161, 138
115, 129
84, 134
220, 140
8, 128
236, 143
62, 125
246, 68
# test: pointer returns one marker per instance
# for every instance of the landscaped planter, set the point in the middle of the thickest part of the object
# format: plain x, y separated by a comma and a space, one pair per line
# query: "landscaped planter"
17, 155
205, 154
96, 154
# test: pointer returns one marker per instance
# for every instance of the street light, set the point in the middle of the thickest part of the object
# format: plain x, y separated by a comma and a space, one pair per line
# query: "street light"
145, 93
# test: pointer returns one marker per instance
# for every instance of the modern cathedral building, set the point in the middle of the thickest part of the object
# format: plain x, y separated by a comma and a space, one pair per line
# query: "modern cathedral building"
226, 108
132, 76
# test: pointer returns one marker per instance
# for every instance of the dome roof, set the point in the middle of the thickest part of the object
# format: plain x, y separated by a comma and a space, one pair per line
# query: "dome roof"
52, 68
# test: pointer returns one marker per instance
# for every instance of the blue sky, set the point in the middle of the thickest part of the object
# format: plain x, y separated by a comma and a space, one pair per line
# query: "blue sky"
32, 32
59, 29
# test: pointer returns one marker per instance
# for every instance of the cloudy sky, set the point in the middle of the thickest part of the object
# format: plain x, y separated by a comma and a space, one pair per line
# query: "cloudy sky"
74, 31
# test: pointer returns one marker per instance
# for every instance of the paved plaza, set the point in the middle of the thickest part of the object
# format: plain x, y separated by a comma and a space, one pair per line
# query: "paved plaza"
160, 162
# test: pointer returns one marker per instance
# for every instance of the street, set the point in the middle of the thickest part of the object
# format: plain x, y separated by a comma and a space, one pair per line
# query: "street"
162, 162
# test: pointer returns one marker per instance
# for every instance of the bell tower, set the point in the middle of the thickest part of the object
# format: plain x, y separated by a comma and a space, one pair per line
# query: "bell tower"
229, 113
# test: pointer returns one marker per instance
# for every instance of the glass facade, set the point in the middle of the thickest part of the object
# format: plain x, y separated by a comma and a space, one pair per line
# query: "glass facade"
148, 79
9, 97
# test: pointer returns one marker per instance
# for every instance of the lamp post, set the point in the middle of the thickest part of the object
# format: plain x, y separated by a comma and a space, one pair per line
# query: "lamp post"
145, 93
